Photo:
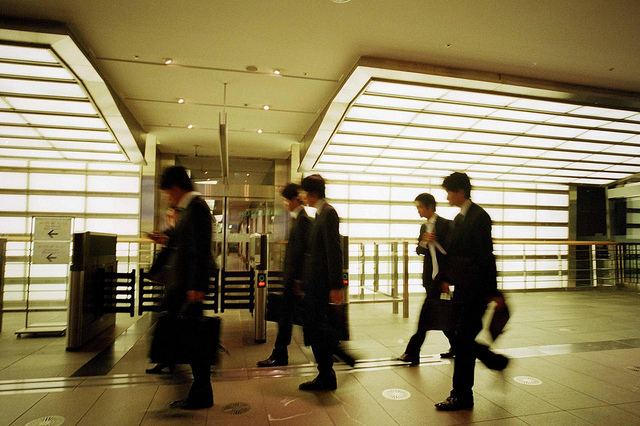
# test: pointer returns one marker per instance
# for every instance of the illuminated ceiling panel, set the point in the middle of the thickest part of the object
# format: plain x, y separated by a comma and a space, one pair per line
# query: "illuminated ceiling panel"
489, 134
46, 113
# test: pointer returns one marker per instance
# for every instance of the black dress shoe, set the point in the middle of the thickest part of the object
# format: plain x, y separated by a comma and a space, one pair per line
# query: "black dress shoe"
272, 362
157, 369
447, 355
185, 404
455, 404
320, 384
405, 357
346, 357
498, 363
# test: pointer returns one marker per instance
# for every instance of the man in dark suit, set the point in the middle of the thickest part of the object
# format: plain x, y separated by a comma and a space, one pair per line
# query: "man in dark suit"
191, 265
322, 284
432, 233
471, 268
294, 258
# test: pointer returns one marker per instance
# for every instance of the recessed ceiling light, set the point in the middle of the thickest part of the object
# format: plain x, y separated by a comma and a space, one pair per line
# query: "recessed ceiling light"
190, 126
168, 61
341, 1
247, 174
180, 100
266, 107
277, 72
259, 130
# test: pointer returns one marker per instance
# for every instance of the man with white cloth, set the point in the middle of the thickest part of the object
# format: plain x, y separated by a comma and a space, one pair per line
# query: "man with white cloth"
434, 230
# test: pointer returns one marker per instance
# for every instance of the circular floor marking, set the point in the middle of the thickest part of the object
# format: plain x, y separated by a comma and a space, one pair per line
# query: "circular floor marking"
46, 421
236, 408
527, 380
396, 394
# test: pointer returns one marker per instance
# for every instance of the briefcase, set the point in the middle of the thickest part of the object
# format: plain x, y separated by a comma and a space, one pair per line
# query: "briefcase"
180, 339
498, 321
437, 314
275, 304
338, 320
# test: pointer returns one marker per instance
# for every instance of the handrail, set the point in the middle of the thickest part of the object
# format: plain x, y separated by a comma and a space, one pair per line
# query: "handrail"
495, 241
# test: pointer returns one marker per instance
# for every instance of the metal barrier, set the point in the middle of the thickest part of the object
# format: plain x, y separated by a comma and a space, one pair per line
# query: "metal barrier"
628, 264
237, 290
151, 294
119, 291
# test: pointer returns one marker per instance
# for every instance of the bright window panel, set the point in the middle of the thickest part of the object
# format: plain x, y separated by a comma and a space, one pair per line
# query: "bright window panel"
346, 159
487, 197
122, 226
519, 152
558, 216
502, 126
335, 191
497, 231
519, 215
5, 162
30, 54
608, 158
421, 132
67, 165
85, 146
536, 142
76, 134
564, 132
405, 153
418, 144
45, 88
11, 118
601, 135
547, 163
381, 115
485, 137
608, 175
369, 211
520, 198
18, 131
406, 194
10, 180
471, 148
402, 230
547, 232
575, 121
340, 168
361, 140
113, 184
564, 155
389, 170
522, 115
495, 214
397, 162
47, 105
366, 192
24, 143
353, 150
555, 200
53, 203
490, 168
621, 168
545, 106
583, 165
57, 182
113, 205
584, 146
372, 128
461, 109
35, 71
368, 230
65, 121
13, 225
114, 167
48, 271
458, 157
630, 127
13, 203
479, 98
518, 232
509, 161
405, 212
342, 209
409, 90
391, 102
30, 153
603, 112
444, 120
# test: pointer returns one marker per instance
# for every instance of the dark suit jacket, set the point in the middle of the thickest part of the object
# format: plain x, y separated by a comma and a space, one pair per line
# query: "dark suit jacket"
323, 266
192, 263
294, 255
442, 231
471, 265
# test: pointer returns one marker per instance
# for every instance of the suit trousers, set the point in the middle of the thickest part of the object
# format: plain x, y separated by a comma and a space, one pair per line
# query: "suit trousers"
319, 334
200, 391
285, 325
468, 317
417, 340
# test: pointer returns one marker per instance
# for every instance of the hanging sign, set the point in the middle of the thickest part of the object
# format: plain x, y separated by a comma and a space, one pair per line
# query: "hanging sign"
54, 252
52, 229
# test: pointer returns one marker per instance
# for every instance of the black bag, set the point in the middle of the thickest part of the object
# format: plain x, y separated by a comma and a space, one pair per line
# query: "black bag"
338, 319
181, 339
275, 303
499, 320
437, 314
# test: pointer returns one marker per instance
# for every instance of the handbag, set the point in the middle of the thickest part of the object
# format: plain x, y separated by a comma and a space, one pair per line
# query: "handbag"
182, 339
437, 314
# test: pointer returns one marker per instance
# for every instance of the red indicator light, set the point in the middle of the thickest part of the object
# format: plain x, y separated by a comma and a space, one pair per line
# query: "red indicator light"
262, 284
345, 282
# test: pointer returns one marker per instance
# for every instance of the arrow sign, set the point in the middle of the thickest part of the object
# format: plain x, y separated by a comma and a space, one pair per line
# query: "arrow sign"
51, 233
51, 252
52, 228
51, 257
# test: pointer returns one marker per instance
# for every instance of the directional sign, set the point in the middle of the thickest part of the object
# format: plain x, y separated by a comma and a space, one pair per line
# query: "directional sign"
51, 253
52, 229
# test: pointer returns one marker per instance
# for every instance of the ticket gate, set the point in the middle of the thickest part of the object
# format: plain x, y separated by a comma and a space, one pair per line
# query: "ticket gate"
259, 261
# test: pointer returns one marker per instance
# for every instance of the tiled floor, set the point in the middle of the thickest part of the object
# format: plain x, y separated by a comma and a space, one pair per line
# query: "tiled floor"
583, 346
